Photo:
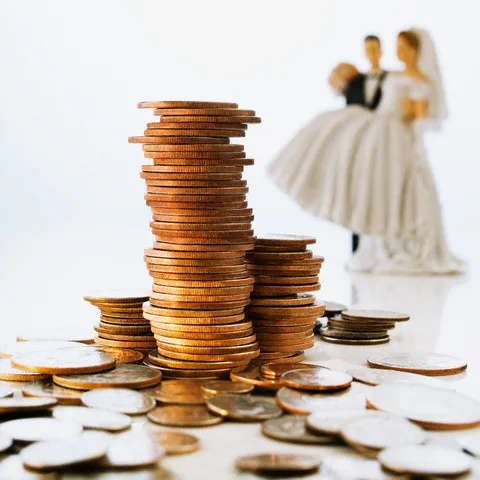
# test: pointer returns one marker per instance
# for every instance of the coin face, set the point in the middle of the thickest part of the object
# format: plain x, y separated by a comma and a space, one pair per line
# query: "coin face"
292, 428
321, 379
117, 296
121, 400
81, 335
184, 416
217, 387
303, 403
279, 463
375, 315
7, 350
67, 360
425, 460
56, 454
331, 422
24, 404
175, 443
39, 429
276, 370
47, 389
179, 392
93, 418
433, 408
246, 408
382, 431
123, 376
421, 363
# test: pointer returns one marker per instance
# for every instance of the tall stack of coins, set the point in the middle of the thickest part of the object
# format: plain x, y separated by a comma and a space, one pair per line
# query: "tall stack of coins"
282, 312
121, 324
202, 228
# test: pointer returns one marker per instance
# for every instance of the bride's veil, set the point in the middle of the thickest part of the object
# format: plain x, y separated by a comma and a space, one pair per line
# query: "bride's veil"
428, 65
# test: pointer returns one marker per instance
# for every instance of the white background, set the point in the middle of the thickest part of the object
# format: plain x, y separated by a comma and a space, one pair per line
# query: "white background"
72, 210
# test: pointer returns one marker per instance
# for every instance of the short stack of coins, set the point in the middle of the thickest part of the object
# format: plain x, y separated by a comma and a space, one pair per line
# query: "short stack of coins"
361, 327
282, 310
122, 324
203, 229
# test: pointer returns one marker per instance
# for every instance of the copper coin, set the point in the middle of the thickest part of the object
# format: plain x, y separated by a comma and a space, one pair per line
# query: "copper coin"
295, 329
204, 351
374, 433
425, 460
192, 169
93, 418
316, 309
195, 262
175, 148
210, 210
173, 140
421, 363
245, 408
247, 281
195, 248
218, 387
303, 403
279, 248
55, 454
355, 335
172, 334
375, 315
346, 341
210, 157
121, 344
203, 190
212, 304
175, 443
276, 370
131, 322
176, 373
184, 416
332, 422
238, 328
278, 463
121, 400
126, 338
132, 449
81, 335
24, 404
162, 361
123, 375
274, 239
433, 408
47, 389
210, 357
192, 198
117, 296
186, 220
204, 227
67, 360
135, 316
193, 255
197, 125
244, 342
269, 320
292, 429
231, 292
203, 111
186, 104
373, 376
179, 392
211, 177
287, 301
165, 180
289, 269
282, 357
205, 132
288, 339
251, 375
290, 281
187, 313
278, 257
122, 329
332, 308
209, 119
7, 372
39, 429
336, 324
286, 350
203, 277
171, 323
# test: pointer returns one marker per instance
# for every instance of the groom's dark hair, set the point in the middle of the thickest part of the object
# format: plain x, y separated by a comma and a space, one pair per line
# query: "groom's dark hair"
372, 37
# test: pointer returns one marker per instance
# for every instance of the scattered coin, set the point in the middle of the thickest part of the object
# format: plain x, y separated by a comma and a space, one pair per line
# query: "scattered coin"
120, 400
175, 443
68, 360
6, 441
39, 429
47, 389
421, 363
321, 379
276, 370
246, 408
381, 431
433, 408
331, 422
251, 375
55, 454
7, 350
24, 404
278, 463
81, 335
184, 416
11, 467
425, 460
93, 418
123, 375
217, 387
179, 392
292, 428
123, 355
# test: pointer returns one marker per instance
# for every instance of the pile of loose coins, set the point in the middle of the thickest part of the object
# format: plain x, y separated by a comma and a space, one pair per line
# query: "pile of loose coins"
360, 327
283, 314
122, 325
203, 228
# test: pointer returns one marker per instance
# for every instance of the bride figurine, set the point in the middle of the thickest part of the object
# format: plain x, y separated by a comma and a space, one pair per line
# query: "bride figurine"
368, 171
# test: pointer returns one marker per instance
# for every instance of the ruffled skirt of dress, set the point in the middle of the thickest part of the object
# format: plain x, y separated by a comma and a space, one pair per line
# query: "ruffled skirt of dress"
367, 172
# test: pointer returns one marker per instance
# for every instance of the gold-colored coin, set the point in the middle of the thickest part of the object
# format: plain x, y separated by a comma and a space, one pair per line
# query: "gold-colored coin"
7, 372
124, 344
247, 408
175, 443
251, 375
278, 463
187, 392
276, 370
163, 361
218, 387
123, 355
184, 416
318, 379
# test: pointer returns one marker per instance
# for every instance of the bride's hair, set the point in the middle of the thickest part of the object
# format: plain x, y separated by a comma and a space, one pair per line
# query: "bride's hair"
411, 38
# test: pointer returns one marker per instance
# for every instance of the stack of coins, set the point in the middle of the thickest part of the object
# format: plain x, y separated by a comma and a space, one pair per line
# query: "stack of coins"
282, 312
331, 309
203, 228
361, 327
122, 324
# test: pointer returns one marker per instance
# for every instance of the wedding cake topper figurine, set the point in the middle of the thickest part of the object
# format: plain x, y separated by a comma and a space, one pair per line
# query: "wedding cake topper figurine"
367, 169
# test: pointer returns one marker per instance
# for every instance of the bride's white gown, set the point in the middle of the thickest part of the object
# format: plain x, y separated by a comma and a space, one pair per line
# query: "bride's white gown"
368, 172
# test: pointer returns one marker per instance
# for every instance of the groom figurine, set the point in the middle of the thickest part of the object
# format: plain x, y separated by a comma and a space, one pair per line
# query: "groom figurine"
363, 89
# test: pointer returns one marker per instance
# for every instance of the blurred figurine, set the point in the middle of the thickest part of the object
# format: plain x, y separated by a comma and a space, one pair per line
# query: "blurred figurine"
368, 171
360, 88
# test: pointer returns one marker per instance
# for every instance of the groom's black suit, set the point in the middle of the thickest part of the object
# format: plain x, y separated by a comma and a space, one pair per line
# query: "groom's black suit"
355, 95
